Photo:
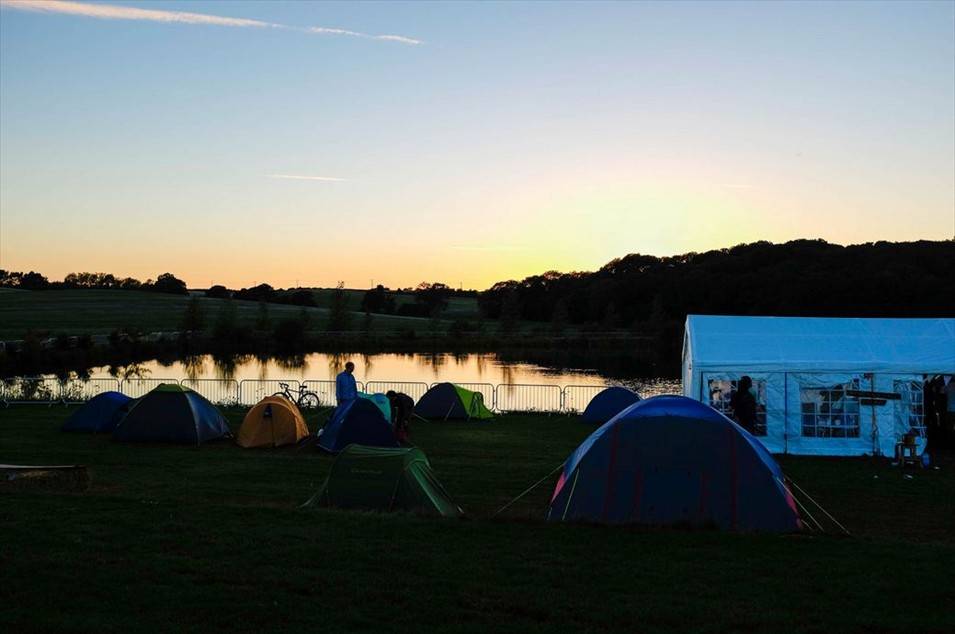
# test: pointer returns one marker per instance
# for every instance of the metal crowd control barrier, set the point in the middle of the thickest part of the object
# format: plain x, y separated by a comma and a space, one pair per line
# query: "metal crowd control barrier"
219, 391
325, 390
578, 397
31, 390
507, 397
77, 391
514, 397
140, 387
487, 390
251, 391
413, 389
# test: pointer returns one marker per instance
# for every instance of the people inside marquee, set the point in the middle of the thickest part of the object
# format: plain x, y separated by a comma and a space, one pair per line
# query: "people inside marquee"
743, 402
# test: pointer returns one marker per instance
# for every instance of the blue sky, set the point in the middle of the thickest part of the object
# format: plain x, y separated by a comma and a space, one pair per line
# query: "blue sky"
513, 139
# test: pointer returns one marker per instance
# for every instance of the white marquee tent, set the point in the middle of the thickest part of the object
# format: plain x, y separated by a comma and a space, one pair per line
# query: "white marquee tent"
827, 386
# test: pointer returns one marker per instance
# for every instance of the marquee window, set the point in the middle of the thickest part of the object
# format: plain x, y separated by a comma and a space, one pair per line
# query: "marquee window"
829, 412
721, 395
910, 410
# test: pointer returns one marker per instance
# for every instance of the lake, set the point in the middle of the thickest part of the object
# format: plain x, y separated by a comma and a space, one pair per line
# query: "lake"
546, 383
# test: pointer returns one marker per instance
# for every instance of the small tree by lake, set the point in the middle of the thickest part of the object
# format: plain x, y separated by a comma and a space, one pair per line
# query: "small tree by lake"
339, 318
226, 325
367, 323
262, 322
194, 319
510, 312
558, 323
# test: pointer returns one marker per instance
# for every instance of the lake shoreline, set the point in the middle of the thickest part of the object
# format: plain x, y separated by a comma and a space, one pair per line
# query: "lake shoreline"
63, 357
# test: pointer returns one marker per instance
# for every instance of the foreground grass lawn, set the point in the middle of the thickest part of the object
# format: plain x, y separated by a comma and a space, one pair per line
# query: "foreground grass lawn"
211, 539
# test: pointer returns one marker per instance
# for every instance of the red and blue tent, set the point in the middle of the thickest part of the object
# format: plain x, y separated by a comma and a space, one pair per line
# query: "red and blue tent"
673, 460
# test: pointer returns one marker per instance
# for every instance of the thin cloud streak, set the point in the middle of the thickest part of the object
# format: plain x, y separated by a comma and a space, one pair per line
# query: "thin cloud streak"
389, 38
479, 247
114, 12
297, 177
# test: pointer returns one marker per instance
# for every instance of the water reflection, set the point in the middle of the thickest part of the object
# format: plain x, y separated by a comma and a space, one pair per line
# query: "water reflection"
367, 364
126, 372
542, 369
194, 366
295, 364
336, 363
225, 365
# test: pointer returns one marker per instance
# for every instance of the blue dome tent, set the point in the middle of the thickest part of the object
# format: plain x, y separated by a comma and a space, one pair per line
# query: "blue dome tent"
172, 413
673, 460
100, 414
608, 404
360, 422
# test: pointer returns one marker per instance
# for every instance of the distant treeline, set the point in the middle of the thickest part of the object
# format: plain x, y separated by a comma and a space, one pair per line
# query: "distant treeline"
430, 300
33, 281
798, 278
265, 293
802, 277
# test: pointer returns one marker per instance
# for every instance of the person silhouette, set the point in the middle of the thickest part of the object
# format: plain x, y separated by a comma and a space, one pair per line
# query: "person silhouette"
346, 389
744, 404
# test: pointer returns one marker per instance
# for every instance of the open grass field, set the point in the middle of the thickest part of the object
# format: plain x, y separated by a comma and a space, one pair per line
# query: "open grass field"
96, 311
176, 539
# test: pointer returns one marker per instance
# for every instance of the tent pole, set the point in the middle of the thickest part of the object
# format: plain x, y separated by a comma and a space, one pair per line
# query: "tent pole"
806, 511
527, 490
876, 449
820, 507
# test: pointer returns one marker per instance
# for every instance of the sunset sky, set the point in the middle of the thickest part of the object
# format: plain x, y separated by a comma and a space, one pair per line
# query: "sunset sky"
242, 142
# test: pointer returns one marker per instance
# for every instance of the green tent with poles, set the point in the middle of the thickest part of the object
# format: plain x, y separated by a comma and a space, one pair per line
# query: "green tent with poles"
447, 401
384, 479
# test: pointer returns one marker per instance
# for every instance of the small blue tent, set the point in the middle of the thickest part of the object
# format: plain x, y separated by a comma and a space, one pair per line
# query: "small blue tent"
608, 404
357, 422
172, 413
673, 460
100, 414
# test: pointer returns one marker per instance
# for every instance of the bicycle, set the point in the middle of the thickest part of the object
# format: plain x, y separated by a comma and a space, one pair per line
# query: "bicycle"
305, 399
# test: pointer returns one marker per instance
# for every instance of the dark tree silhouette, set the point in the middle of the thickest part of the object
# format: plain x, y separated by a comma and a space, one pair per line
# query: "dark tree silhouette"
802, 277
169, 283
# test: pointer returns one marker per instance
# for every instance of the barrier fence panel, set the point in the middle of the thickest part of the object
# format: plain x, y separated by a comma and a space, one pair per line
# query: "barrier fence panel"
140, 387
251, 391
325, 390
80, 391
486, 390
412, 388
219, 391
507, 397
38, 390
513, 397
577, 397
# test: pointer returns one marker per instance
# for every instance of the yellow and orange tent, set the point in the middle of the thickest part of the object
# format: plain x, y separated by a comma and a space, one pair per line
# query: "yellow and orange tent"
274, 421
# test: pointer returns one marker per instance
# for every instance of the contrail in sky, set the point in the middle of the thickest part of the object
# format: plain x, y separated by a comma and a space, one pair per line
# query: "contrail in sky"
114, 12
297, 177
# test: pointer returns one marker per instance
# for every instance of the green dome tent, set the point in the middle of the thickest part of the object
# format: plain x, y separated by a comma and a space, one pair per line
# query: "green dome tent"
447, 401
384, 479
